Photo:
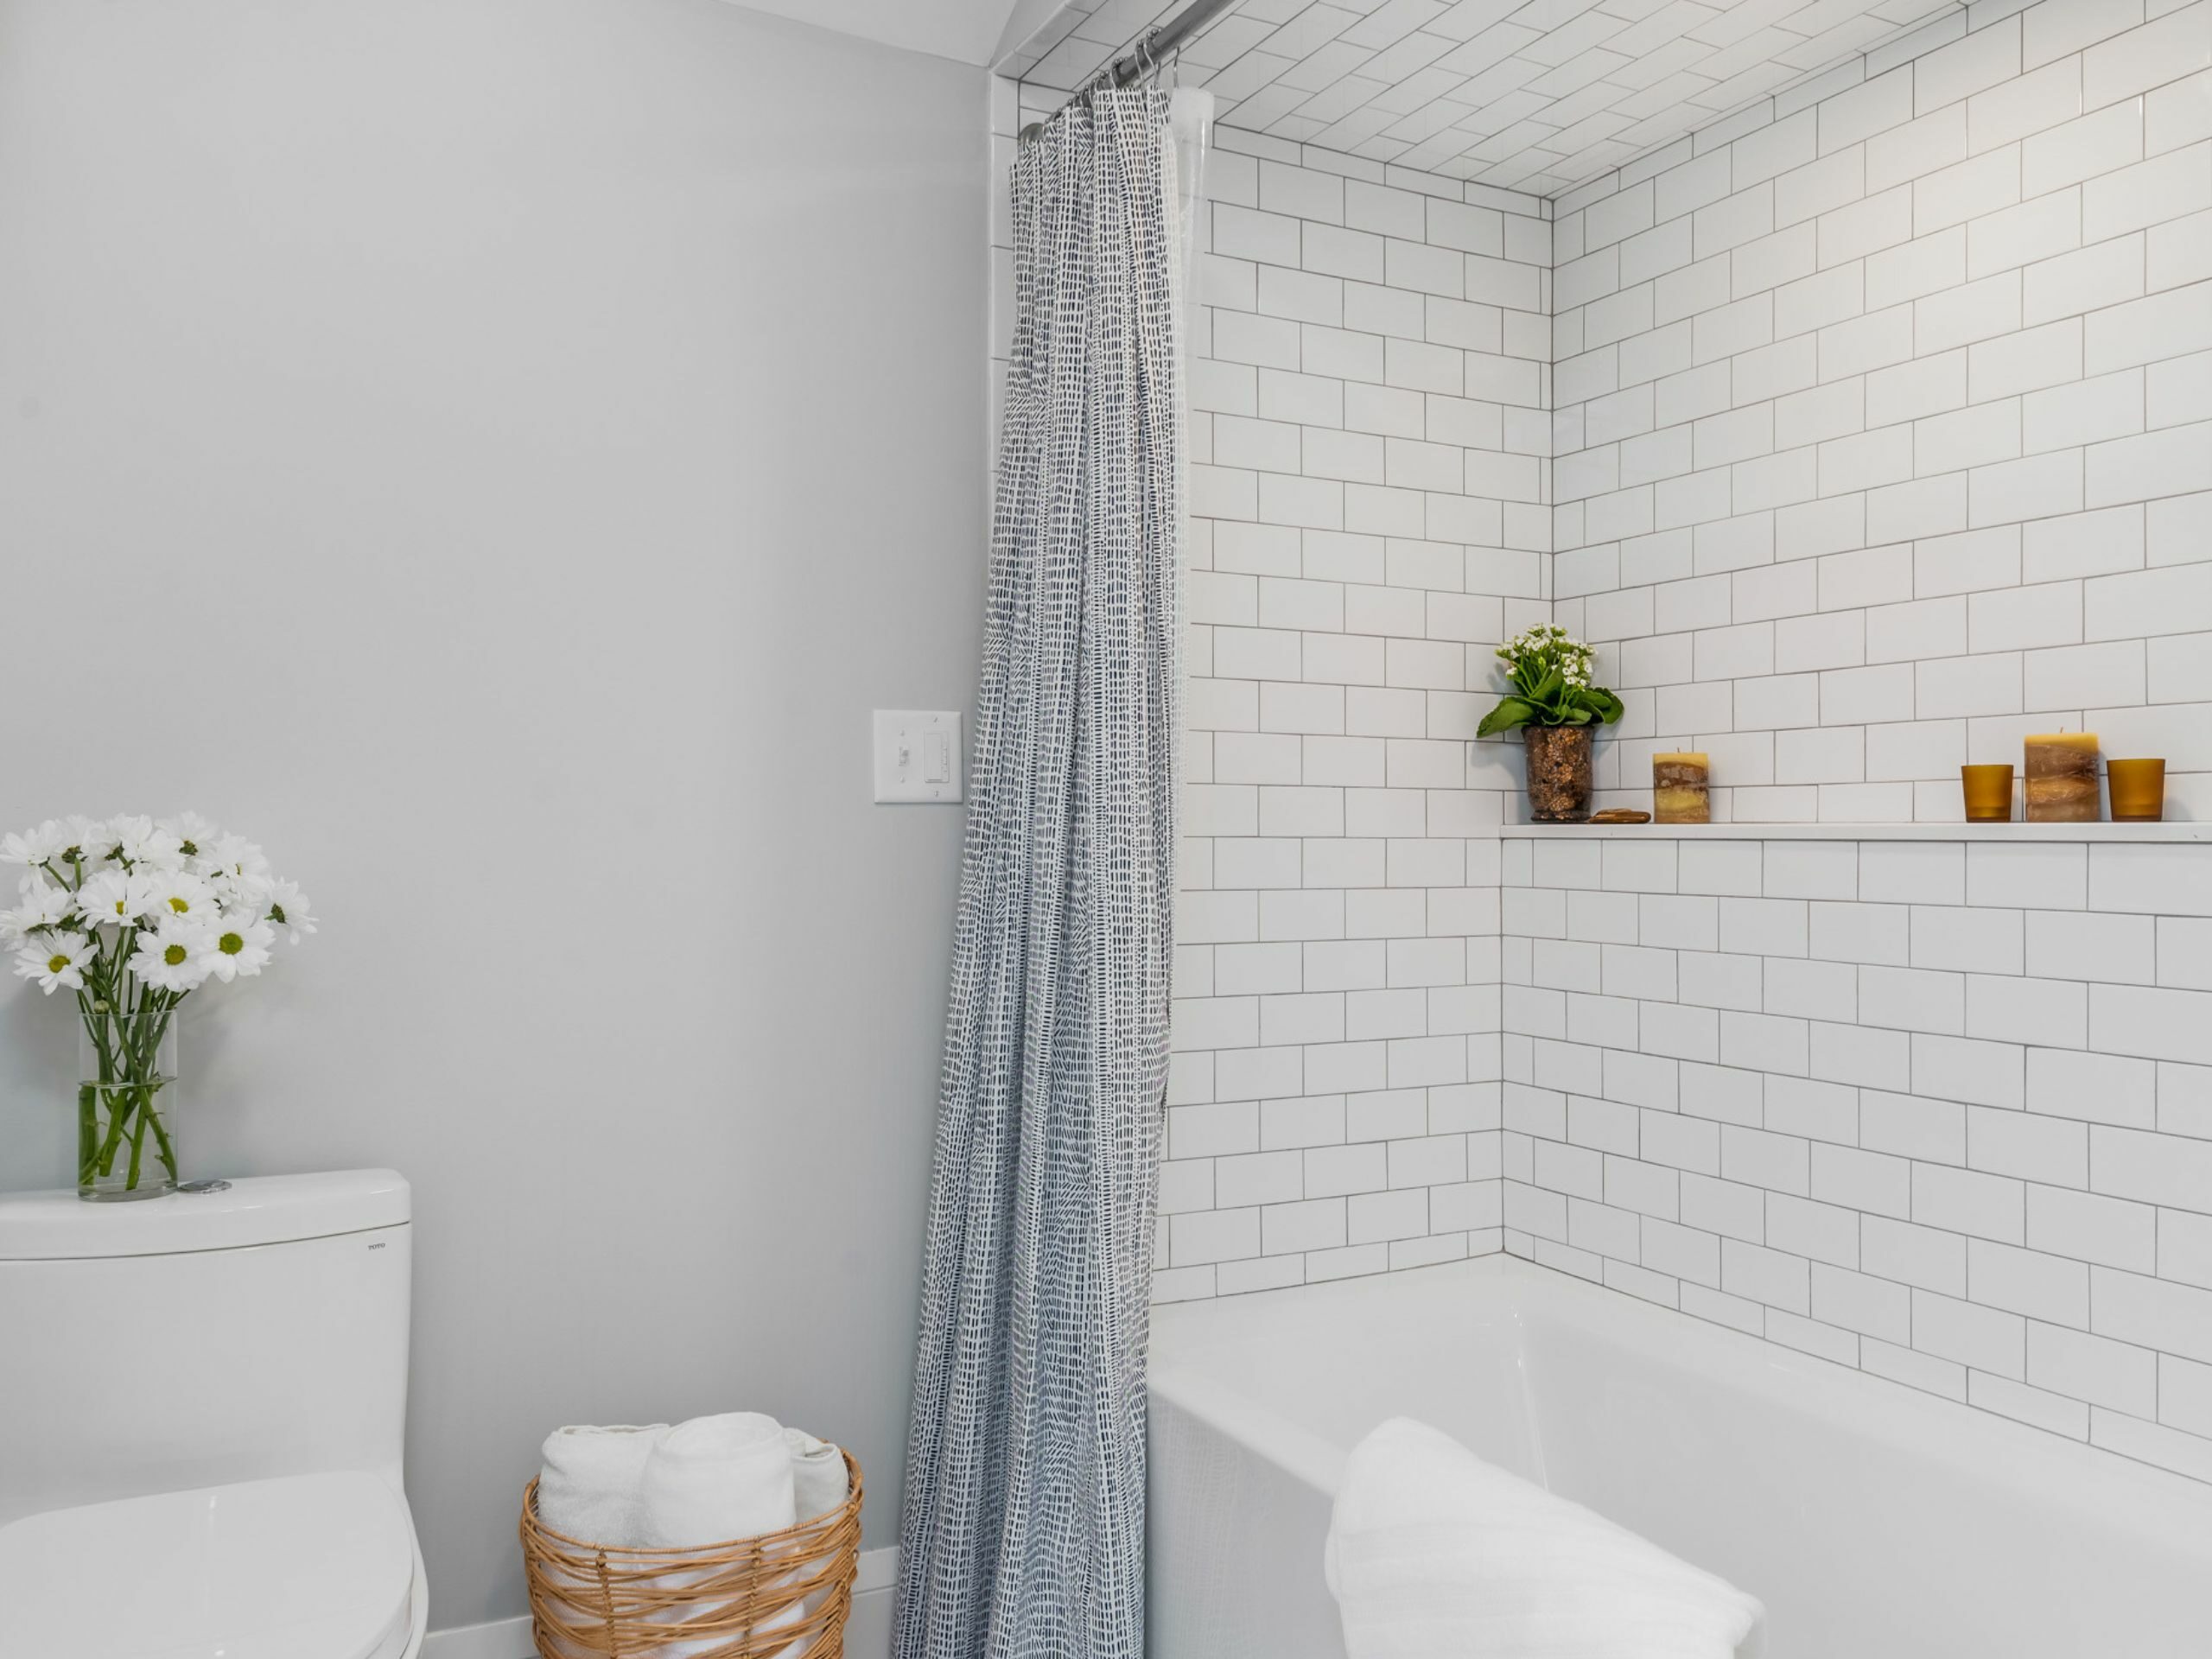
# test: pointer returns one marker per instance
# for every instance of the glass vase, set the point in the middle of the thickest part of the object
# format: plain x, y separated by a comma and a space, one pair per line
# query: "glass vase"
126, 1100
1559, 772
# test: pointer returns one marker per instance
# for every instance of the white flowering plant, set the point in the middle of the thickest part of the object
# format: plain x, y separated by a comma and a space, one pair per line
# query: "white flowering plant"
134, 914
1550, 673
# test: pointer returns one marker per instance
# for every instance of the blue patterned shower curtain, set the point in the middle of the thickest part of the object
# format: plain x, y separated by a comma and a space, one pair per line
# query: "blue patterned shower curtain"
1025, 1516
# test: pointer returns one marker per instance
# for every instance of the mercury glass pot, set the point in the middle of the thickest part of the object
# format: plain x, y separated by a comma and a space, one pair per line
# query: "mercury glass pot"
1559, 772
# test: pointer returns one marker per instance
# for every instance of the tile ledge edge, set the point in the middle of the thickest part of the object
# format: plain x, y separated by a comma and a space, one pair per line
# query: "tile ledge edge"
2117, 834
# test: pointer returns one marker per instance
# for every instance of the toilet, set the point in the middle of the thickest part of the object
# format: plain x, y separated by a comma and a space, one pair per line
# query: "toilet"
205, 1398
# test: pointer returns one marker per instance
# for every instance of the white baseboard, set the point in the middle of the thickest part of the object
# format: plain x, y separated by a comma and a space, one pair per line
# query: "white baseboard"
503, 1638
868, 1633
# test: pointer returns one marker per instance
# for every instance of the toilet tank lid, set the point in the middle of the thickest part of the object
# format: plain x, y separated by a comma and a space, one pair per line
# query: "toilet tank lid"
253, 1209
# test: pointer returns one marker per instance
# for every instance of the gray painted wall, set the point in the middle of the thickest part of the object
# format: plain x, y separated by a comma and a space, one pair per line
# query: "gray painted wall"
495, 453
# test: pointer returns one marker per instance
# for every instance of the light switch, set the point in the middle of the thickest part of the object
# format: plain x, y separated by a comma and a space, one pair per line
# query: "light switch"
917, 755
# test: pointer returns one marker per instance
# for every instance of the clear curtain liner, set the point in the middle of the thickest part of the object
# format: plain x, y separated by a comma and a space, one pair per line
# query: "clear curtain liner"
1189, 127
1188, 138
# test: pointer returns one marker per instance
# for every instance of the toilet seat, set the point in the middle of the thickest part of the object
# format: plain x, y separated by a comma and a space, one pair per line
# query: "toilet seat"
306, 1567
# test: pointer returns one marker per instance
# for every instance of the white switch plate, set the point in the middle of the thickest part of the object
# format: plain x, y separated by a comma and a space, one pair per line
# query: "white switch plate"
917, 755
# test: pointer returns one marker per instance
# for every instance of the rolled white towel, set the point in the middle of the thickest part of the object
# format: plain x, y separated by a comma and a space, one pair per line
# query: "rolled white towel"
589, 1486
716, 1478
1433, 1554
819, 1483
709, 1481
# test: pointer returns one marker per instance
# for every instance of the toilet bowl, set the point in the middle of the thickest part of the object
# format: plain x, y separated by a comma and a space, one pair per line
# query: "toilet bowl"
207, 1394
303, 1567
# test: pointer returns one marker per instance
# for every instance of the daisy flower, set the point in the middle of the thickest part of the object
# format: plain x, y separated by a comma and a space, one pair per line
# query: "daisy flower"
179, 893
235, 856
56, 960
140, 840
80, 835
114, 896
102, 838
194, 833
34, 847
289, 909
235, 946
42, 905
170, 958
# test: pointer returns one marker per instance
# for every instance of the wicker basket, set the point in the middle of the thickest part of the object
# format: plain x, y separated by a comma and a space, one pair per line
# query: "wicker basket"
783, 1595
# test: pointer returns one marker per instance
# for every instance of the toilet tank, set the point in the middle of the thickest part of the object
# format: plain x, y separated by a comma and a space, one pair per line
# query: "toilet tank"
198, 1338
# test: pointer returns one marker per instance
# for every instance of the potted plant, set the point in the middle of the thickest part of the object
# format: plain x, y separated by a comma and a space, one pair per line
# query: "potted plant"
1555, 708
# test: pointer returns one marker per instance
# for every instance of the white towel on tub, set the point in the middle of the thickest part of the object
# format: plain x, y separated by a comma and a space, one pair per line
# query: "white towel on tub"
1433, 1554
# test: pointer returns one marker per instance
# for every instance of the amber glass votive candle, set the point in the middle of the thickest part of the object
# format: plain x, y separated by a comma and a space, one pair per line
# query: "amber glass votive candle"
2062, 778
2138, 790
1680, 788
1988, 792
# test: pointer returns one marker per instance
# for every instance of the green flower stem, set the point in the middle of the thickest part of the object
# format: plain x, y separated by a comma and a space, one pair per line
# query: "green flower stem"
126, 1024
137, 1147
118, 1119
166, 1151
88, 1136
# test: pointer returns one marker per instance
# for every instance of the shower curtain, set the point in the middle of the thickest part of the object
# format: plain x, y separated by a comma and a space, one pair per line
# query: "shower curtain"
1024, 1526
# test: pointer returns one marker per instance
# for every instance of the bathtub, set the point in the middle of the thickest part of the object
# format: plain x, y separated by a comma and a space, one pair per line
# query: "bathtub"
1875, 1521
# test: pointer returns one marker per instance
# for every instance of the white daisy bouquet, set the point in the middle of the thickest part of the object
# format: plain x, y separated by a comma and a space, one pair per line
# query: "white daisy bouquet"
134, 914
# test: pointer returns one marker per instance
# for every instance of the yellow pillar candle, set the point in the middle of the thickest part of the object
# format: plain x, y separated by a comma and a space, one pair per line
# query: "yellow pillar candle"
2062, 778
1680, 790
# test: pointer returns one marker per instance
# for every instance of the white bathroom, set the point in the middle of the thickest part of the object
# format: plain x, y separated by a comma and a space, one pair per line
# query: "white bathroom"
1194, 829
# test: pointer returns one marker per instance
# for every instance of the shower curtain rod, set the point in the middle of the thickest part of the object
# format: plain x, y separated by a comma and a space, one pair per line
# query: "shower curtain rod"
1155, 44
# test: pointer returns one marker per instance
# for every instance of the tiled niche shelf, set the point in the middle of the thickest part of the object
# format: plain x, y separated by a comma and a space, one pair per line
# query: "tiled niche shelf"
1977, 832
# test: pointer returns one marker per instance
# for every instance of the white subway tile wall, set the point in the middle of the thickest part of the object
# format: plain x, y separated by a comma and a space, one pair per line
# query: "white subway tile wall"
1911, 1106
1866, 430
1885, 421
1368, 383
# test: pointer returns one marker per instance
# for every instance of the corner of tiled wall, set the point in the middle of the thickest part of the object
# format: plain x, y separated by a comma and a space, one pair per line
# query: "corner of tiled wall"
1371, 448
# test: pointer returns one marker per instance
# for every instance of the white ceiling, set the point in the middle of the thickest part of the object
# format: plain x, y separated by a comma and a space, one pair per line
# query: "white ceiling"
1532, 95
966, 31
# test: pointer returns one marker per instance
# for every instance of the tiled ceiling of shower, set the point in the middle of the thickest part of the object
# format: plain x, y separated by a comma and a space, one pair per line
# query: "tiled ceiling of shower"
1531, 95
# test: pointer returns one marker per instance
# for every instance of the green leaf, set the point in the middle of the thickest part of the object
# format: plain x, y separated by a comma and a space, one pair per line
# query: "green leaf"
1609, 707
1511, 712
